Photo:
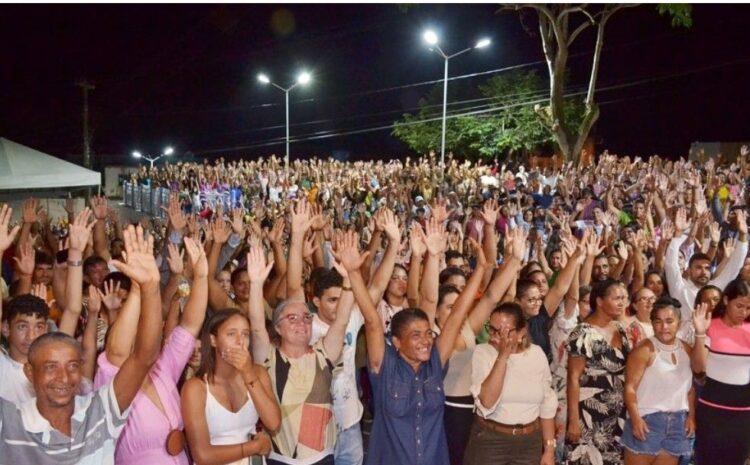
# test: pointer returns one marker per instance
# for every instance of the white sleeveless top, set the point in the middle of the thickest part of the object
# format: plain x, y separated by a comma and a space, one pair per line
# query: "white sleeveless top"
226, 427
664, 386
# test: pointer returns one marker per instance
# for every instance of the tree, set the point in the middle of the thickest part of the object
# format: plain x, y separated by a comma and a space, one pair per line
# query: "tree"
558, 35
505, 122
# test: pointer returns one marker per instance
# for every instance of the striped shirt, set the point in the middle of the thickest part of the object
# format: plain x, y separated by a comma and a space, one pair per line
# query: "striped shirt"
28, 438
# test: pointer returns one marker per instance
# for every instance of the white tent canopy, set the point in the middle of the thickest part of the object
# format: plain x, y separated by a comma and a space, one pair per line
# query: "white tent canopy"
24, 168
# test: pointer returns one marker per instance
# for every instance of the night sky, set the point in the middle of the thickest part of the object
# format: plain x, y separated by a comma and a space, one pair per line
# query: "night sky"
185, 75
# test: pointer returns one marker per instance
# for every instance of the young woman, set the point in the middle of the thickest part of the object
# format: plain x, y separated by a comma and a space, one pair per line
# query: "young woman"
516, 405
722, 351
222, 404
597, 350
153, 433
659, 396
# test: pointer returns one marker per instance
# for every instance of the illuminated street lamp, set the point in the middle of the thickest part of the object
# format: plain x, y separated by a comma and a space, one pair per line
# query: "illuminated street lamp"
432, 40
302, 79
168, 151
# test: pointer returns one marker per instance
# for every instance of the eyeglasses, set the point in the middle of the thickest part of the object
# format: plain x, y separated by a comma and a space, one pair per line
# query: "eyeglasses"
534, 300
295, 318
647, 299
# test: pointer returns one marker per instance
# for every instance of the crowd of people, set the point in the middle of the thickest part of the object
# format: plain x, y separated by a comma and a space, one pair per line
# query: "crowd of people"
476, 314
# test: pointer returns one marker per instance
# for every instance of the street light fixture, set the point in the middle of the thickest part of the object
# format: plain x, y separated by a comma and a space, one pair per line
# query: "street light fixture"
432, 40
168, 151
303, 78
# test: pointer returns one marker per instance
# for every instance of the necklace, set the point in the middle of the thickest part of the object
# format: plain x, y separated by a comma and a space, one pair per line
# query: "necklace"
665, 348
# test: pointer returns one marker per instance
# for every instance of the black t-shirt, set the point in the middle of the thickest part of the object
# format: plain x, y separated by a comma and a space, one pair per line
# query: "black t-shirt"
538, 327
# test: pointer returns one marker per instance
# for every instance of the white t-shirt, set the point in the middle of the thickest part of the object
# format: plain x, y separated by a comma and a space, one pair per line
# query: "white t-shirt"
14, 385
346, 405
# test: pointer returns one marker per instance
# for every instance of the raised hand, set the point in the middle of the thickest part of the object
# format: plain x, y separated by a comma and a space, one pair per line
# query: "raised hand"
276, 235
478, 252
25, 259
94, 301
175, 259
301, 221
490, 212
99, 207
714, 232
177, 219
69, 206
257, 269
140, 265
220, 230
111, 297
309, 247
40, 290
7, 236
680, 221
348, 252
417, 240
437, 239
30, 210
701, 319
741, 221
80, 230
237, 226
729, 245
317, 219
390, 225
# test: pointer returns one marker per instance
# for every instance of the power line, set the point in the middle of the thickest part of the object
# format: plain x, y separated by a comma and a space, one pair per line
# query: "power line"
330, 134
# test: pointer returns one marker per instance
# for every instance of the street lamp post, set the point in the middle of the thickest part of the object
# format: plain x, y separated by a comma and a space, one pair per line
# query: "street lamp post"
166, 153
302, 79
432, 40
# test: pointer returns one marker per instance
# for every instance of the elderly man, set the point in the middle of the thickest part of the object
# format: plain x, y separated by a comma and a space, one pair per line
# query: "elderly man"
58, 427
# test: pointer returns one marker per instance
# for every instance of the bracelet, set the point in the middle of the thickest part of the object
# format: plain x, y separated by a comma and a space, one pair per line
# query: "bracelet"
700, 336
242, 449
346, 288
550, 443
75, 263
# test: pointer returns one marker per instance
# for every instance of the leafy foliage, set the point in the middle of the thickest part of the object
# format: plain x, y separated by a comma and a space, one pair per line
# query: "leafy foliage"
504, 123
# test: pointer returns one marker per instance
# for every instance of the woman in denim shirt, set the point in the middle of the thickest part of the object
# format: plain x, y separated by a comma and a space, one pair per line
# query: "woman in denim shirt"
407, 371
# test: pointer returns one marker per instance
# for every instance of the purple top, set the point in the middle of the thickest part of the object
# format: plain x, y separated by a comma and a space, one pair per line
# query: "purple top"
143, 441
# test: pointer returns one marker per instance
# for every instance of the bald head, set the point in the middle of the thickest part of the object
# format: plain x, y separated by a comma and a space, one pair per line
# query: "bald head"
51, 339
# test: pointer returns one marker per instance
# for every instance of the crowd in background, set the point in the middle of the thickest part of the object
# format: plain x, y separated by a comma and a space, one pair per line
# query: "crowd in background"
481, 313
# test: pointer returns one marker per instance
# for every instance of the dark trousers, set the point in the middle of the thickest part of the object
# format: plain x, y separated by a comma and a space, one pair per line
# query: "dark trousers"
487, 446
458, 427
722, 437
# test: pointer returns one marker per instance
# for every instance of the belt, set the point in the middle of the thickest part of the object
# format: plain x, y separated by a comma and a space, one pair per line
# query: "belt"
509, 429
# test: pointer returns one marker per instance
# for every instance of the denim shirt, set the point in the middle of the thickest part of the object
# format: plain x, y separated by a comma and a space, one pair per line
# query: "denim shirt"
408, 424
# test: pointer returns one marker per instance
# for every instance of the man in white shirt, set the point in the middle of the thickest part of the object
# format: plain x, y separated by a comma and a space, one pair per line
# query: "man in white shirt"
699, 271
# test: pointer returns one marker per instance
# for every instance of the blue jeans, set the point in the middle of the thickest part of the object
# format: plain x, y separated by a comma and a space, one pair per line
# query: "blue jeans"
349, 449
666, 432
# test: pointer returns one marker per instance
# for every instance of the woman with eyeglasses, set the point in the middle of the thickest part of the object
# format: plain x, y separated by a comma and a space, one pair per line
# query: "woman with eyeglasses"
301, 374
597, 350
638, 324
512, 388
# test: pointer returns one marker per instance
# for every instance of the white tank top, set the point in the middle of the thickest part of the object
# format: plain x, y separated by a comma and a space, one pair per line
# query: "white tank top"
664, 386
226, 427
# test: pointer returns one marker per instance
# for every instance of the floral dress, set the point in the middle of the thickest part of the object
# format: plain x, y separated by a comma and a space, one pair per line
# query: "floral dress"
601, 406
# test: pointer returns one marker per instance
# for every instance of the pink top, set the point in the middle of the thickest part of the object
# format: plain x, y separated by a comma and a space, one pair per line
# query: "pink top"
143, 441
